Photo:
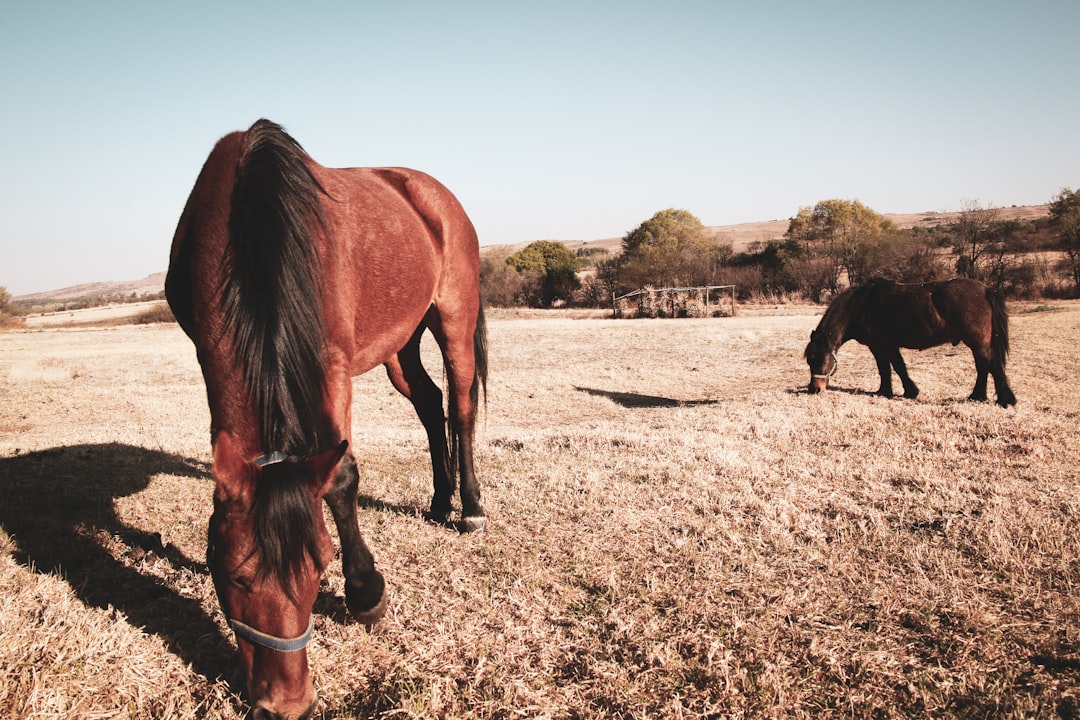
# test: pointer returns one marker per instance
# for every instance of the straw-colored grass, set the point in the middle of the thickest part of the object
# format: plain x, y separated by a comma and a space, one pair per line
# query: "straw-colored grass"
676, 530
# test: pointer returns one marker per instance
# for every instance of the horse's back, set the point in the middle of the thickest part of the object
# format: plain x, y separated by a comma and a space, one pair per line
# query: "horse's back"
400, 243
924, 315
405, 210
397, 242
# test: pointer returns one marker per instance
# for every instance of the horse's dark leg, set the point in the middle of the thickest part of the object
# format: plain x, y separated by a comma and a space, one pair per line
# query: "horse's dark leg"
988, 364
459, 356
910, 391
365, 591
1005, 396
408, 375
883, 360
982, 369
464, 413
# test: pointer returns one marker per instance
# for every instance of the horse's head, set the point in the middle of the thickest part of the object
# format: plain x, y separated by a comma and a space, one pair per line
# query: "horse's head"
822, 361
266, 550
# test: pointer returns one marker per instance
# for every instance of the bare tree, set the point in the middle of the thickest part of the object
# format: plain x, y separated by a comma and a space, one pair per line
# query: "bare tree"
974, 234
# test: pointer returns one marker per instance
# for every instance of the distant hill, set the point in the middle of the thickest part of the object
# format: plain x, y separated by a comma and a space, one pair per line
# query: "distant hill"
149, 285
741, 236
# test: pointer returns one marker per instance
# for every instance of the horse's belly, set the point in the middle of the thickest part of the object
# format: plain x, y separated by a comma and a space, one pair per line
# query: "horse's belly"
384, 328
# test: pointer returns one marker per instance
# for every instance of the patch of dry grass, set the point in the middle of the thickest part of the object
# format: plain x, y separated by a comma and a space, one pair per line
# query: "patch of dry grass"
676, 530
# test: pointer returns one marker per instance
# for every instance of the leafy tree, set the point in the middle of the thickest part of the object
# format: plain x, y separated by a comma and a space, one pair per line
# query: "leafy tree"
552, 267
847, 235
670, 249
1065, 217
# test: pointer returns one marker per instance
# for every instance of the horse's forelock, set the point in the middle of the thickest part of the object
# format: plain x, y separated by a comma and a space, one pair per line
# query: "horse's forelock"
285, 523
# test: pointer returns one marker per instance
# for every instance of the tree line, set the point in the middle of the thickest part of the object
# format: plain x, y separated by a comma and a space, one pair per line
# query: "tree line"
826, 247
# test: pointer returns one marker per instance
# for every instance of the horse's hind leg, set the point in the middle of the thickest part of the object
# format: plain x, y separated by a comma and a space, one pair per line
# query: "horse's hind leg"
982, 369
365, 591
1005, 395
456, 335
408, 375
988, 364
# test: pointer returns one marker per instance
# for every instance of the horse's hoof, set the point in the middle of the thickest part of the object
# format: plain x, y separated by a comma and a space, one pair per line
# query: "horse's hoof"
372, 616
475, 523
438, 518
367, 601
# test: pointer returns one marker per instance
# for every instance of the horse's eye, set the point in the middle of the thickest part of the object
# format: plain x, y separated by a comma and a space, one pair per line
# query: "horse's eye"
241, 581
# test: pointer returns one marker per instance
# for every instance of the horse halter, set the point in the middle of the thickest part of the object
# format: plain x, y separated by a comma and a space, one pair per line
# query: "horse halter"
272, 642
258, 637
826, 376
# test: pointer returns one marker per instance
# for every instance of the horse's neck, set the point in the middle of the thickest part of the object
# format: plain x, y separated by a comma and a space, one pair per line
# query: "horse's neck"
836, 324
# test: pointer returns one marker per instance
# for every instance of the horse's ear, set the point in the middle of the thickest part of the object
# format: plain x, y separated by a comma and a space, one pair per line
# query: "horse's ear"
323, 464
232, 473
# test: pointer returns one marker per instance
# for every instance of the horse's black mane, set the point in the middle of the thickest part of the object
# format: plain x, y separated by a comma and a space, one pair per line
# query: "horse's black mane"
271, 297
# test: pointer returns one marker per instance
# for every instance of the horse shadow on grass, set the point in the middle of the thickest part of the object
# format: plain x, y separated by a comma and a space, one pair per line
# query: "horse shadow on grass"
833, 388
638, 401
58, 508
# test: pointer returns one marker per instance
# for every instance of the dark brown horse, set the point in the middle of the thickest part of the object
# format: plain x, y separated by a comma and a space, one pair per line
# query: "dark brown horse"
886, 316
291, 278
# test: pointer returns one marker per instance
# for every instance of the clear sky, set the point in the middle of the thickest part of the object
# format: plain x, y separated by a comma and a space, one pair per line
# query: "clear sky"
563, 120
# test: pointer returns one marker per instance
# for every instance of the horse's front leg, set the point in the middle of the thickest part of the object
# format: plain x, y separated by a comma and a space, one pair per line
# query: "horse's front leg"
882, 358
365, 590
910, 391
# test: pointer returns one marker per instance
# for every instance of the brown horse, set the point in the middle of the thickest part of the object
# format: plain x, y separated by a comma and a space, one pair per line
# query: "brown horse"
291, 278
886, 316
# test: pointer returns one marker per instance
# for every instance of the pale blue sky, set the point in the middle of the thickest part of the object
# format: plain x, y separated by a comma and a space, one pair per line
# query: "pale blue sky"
550, 120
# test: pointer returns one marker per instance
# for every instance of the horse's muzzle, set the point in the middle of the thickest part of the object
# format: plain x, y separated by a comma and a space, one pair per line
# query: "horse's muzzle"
261, 713
817, 385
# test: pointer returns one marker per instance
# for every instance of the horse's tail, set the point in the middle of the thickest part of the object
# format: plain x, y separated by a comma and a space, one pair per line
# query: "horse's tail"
999, 325
480, 356
271, 291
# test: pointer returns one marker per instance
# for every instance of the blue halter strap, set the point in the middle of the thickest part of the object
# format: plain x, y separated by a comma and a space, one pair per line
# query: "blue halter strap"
270, 458
272, 642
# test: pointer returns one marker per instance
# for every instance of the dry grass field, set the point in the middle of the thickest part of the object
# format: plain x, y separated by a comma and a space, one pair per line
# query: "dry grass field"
677, 530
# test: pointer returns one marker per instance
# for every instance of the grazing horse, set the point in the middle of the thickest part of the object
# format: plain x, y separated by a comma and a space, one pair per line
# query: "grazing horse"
291, 278
886, 316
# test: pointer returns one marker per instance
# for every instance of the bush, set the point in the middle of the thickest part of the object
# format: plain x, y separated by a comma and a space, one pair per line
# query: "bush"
156, 313
10, 317
500, 284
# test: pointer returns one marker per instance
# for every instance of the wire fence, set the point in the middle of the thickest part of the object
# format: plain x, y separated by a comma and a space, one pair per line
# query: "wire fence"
674, 302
